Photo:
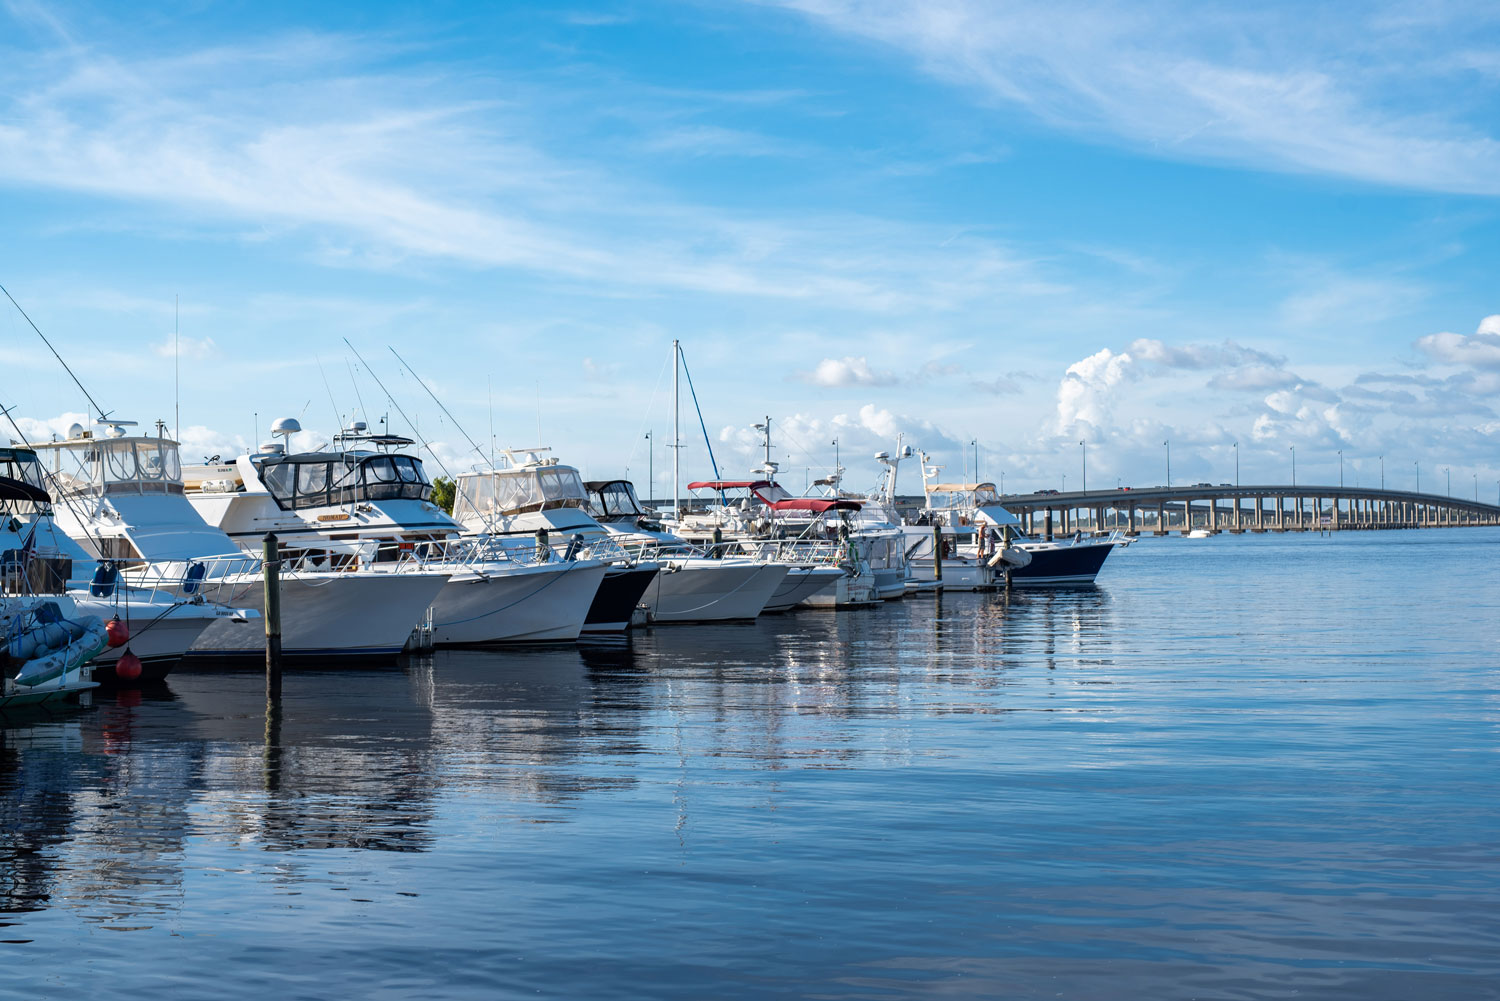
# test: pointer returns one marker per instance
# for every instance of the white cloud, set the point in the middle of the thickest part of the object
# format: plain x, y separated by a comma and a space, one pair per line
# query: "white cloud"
847, 371
1084, 395
1267, 86
1478, 350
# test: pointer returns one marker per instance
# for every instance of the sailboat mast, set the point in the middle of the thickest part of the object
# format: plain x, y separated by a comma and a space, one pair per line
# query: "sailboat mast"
676, 438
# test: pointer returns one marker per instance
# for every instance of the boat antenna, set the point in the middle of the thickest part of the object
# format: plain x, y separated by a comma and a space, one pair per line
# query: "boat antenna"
98, 410
477, 450
176, 368
712, 461
407, 419
489, 385
676, 432
357, 394
338, 417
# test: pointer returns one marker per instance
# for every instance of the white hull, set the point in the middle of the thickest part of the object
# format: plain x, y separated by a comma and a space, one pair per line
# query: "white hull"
890, 582
802, 583
516, 604
327, 614
704, 590
848, 592
159, 631
958, 575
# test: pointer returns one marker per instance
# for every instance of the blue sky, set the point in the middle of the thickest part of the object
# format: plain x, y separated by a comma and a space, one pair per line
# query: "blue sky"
1021, 224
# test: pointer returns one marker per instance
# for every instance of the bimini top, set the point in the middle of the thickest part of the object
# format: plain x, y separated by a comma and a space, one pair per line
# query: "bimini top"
776, 498
730, 485
12, 489
961, 495
817, 505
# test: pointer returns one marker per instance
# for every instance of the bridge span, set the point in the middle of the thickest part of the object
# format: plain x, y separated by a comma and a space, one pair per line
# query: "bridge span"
1228, 508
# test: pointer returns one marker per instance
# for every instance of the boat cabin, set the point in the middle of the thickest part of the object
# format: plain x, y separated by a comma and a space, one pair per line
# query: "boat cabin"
328, 479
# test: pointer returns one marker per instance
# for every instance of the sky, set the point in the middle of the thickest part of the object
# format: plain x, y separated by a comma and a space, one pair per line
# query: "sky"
1258, 232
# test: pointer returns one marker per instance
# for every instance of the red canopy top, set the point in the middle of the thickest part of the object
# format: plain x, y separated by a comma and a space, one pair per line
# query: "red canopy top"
730, 485
816, 505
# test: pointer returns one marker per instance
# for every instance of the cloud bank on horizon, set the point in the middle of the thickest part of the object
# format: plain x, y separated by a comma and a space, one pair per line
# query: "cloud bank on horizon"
1004, 227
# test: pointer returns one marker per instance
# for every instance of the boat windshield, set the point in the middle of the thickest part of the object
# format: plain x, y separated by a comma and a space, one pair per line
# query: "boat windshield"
615, 499
324, 479
501, 492
21, 487
22, 464
114, 466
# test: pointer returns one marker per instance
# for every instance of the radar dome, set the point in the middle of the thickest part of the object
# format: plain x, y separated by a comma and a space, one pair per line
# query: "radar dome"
286, 425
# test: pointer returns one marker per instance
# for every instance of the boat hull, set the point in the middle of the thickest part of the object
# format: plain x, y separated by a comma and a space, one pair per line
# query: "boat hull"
958, 574
161, 633
1053, 566
801, 584
706, 590
326, 616
850, 591
542, 603
619, 593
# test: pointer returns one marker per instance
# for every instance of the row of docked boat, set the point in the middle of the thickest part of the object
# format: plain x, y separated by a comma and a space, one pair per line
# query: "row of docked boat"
107, 529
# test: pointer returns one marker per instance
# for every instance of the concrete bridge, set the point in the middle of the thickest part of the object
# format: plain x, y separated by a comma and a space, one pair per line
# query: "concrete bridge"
1229, 508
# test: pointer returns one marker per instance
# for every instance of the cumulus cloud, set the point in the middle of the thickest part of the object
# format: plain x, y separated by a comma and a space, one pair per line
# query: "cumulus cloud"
1478, 350
847, 371
1087, 388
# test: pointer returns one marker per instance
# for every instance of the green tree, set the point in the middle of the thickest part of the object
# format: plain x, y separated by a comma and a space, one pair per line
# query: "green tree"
442, 493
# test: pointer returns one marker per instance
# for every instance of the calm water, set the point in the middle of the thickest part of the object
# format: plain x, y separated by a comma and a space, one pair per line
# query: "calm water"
1238, 768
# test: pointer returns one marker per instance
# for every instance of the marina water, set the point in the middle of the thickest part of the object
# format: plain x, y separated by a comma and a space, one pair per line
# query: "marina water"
1242, 767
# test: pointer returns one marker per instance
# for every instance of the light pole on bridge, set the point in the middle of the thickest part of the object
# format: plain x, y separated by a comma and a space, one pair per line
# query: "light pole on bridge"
1418, 464
1294, 464
1449, 473
1168, 444
1083, 459
1382, 472
1341, 469
1236, 465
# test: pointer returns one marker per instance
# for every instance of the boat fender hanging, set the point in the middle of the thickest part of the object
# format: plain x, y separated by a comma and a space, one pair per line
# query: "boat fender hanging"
117, 631
128, 667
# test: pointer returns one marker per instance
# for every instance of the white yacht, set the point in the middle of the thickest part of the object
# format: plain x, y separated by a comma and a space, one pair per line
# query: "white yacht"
692, 586
121, 498
827, 566
533, 494
365, 503
38, 557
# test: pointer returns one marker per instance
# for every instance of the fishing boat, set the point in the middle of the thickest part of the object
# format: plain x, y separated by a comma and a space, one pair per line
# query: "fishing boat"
985, 532
536, 497
122, 502
365, 503
161, 620
693, 585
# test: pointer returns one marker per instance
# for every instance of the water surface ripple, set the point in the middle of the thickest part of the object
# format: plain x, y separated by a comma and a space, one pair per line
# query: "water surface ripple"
1254, 767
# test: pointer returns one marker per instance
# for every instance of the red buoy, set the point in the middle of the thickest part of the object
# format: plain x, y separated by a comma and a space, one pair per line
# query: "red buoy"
117, 632
128, 667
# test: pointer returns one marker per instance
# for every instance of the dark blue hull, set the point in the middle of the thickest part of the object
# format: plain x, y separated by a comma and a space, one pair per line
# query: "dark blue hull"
615, 601
1067, 564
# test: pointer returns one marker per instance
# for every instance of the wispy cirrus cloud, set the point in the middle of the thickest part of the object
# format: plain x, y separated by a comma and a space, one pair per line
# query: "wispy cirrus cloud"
1356, 93
310, 137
